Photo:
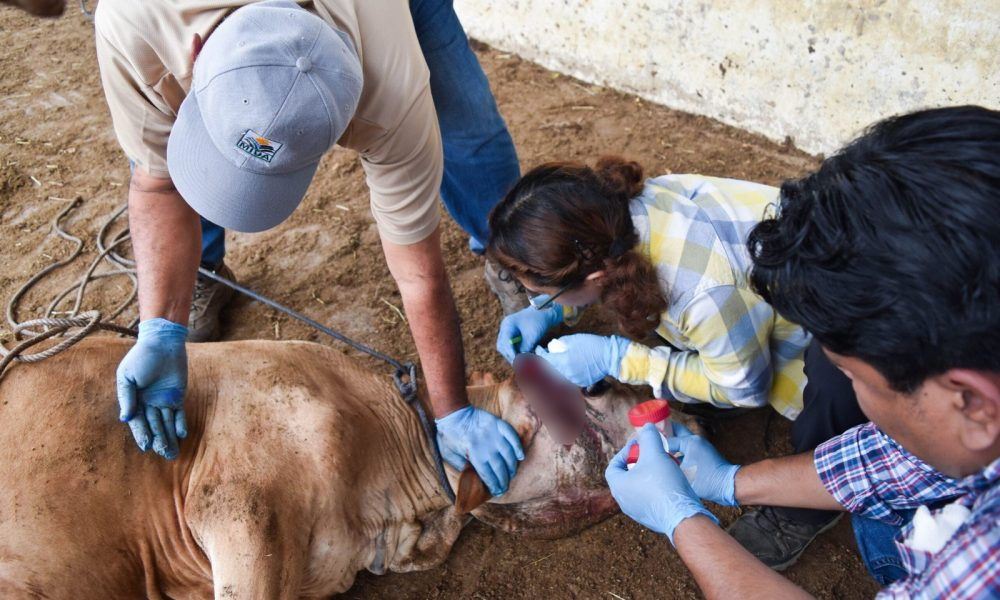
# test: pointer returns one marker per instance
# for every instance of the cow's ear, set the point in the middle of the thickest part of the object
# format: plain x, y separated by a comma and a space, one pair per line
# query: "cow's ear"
472, 491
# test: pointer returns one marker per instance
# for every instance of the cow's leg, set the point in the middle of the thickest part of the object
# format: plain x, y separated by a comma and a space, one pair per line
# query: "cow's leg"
249, 561
255, 549
425, 543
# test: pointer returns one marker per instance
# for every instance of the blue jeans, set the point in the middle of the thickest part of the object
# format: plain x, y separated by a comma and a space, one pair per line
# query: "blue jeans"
480, 163
876, 543
213, 244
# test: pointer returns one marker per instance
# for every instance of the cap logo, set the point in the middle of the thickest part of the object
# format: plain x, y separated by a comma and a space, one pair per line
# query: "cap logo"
258, 146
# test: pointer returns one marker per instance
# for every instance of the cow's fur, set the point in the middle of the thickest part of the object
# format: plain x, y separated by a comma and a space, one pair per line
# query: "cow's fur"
300, 469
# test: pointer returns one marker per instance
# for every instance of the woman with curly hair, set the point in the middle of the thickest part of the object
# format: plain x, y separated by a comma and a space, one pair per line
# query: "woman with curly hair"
667, 256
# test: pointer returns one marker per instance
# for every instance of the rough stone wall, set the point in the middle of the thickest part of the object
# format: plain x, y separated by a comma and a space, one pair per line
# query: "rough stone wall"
815, 71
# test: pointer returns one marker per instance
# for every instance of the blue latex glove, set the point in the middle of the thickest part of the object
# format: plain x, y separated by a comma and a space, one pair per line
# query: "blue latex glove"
490, 443
588, 358
655, 492
713, 477
530, 324
151, 380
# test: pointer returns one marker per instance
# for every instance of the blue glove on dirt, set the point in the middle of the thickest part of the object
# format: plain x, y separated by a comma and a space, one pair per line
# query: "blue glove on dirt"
587, 358
530, 324
655, 492
152, 379
490, 443
712, 477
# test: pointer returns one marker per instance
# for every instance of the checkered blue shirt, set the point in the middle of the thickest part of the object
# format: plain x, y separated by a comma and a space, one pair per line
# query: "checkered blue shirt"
873, 476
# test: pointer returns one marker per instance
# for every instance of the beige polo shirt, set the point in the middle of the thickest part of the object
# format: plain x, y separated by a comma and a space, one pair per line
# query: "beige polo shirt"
144, 52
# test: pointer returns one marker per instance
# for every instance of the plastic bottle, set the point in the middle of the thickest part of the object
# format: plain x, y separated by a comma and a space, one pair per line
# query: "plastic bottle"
656, 412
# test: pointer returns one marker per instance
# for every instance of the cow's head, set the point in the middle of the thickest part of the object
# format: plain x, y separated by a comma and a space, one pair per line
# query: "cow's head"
558, 489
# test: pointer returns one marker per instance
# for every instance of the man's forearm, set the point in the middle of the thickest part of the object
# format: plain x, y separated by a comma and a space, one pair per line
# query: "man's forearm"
166, 242
723, 568
435, 329
430, 309
785, 481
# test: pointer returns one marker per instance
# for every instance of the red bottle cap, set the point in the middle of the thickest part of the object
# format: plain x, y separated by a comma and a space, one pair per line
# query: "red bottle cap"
633, 455
650, 411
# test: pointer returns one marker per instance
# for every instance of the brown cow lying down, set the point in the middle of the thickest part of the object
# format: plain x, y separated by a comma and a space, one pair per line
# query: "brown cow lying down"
300, 469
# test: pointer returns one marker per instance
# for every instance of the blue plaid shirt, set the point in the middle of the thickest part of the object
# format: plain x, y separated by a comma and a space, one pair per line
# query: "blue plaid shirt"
873, 476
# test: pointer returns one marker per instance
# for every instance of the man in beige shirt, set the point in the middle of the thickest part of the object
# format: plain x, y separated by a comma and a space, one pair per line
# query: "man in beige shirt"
225, 108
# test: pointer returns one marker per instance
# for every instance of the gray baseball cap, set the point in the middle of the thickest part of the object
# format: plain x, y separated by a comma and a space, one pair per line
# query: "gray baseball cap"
273, 89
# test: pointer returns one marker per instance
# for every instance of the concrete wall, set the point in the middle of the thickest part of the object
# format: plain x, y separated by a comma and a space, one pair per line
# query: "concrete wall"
814, 70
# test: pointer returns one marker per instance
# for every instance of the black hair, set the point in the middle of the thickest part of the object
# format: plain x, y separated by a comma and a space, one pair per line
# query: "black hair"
890, 252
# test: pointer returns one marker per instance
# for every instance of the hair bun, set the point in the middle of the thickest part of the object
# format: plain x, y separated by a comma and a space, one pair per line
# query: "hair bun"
620, 177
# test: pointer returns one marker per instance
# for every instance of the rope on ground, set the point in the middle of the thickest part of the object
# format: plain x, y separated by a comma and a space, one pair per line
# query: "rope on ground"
86, 322
86, 13
32, 332
16, 298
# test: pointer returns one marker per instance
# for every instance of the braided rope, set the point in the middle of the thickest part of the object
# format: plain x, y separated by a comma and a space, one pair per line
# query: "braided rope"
87, 322
35, 331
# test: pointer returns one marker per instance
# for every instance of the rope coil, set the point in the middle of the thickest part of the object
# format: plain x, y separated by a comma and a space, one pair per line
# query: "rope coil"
52, 326
87, 322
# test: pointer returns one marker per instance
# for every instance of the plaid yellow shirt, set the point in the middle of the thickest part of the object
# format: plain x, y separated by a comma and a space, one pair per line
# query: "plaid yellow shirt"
727, 346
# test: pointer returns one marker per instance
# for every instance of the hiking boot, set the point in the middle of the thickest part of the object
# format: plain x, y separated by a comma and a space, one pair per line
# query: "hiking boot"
511, 294
774, 538
207, 301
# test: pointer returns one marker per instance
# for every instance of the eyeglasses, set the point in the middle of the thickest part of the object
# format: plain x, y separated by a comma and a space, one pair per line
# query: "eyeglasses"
547, 303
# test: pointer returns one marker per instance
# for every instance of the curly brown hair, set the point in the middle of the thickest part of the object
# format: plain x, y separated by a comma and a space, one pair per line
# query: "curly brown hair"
563, 221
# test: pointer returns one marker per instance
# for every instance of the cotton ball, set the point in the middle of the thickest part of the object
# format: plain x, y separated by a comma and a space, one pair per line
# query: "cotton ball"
931, 531
556, 346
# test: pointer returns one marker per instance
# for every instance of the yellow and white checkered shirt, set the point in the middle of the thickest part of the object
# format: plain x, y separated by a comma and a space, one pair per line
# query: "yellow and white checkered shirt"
729, 347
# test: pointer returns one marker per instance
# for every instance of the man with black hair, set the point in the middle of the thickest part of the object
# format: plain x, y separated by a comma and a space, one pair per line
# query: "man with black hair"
890, 256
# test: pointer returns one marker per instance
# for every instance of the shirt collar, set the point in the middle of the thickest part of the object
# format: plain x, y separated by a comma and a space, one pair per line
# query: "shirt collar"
984, 479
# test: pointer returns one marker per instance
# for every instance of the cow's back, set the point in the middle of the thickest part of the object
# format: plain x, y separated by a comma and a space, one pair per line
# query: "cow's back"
71, 479
83, 513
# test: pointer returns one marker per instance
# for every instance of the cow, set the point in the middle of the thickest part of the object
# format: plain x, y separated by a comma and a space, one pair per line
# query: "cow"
300, 469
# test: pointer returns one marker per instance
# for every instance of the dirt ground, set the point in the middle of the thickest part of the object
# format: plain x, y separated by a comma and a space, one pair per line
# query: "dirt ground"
56, 143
